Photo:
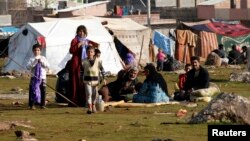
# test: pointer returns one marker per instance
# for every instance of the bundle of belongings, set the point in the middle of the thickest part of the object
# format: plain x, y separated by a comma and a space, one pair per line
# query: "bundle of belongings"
213, 59
204, 95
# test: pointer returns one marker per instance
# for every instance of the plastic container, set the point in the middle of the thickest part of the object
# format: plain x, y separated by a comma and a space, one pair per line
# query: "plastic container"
100, 104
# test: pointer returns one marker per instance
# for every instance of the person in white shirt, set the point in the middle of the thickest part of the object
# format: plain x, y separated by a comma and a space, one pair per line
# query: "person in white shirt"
37, 64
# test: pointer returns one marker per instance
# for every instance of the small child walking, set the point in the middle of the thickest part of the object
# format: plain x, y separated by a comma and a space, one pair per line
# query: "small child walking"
92, 66
37, 87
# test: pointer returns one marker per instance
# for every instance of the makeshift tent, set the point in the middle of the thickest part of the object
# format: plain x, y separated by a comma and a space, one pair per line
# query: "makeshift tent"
208, 32
58, 35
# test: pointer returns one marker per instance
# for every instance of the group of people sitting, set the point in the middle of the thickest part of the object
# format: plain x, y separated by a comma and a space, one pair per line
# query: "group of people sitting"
221, 57
127, 87
154, 88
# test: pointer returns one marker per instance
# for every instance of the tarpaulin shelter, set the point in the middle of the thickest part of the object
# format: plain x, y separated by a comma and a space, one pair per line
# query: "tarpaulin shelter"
7, 31
164, 42
58, 35
203, 37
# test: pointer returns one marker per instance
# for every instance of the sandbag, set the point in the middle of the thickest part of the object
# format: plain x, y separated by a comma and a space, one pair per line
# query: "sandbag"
207, 92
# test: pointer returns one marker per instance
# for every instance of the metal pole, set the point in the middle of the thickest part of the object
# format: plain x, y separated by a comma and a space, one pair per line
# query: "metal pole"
149, 12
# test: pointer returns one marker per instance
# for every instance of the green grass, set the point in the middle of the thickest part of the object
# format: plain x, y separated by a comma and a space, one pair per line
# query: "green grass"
59, 123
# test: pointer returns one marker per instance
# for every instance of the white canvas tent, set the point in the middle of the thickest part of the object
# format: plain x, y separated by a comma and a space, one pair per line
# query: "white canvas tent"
134, 36
58, 35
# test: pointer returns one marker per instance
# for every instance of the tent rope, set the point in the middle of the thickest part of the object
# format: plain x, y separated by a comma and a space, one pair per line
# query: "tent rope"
46, 84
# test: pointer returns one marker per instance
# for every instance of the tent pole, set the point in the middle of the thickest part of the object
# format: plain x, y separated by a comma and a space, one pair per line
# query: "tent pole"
185, 55
141, 51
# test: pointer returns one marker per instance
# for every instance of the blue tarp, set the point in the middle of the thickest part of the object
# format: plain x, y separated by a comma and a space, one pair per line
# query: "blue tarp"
9, 29
163, 42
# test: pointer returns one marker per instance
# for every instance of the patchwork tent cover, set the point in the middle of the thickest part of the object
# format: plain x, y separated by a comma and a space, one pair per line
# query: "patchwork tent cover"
231, 29
58, 35
210, 33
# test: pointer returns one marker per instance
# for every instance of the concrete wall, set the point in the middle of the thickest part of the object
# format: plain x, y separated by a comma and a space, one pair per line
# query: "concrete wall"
142, 19
210, 13
173, 3
183, 14
238, 14
221, 14
5, 20
98, 10
223, 10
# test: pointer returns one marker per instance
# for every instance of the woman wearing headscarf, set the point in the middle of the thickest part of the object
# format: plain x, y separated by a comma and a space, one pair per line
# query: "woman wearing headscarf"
154, 88
78, 50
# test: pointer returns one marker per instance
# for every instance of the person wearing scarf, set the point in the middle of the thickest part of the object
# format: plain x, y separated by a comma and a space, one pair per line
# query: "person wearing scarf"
37, 89
154, 88
78, 50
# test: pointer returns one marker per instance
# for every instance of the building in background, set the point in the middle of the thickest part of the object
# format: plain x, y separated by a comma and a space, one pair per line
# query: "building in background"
224, 9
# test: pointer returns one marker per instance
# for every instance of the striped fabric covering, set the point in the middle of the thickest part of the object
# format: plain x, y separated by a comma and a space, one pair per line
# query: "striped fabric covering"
208, 42
185, 48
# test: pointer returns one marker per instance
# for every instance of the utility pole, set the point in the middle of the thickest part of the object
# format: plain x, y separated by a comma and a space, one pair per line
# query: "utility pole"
149, 12
6, 7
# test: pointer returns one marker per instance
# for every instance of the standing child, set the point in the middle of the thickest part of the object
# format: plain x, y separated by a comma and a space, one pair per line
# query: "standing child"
160, 59
98, 55
92, 67
37, 88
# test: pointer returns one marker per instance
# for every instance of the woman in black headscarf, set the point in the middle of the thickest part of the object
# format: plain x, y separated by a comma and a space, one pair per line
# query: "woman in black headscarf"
154, 88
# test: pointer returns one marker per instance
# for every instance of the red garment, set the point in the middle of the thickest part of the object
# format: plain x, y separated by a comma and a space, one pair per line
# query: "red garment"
182, 80
76, 89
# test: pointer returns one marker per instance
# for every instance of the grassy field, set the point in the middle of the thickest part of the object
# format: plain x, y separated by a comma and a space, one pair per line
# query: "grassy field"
58, 123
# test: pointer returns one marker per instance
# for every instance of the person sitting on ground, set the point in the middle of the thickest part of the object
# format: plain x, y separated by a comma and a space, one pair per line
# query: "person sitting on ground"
128, 86
123, 88
181, 83
222, 54
197, 78
154, 88
130, 61
244, 54
234, 56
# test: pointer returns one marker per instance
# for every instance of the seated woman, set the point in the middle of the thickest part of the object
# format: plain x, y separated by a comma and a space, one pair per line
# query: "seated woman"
154, 88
